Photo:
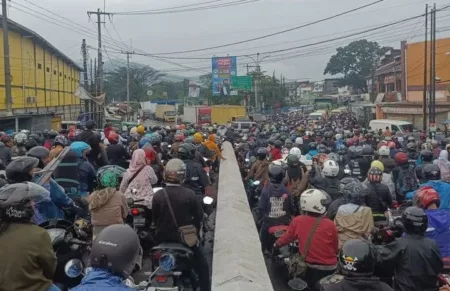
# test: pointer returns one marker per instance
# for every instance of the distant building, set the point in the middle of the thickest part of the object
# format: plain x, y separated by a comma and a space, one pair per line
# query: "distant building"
330, 86
42, 80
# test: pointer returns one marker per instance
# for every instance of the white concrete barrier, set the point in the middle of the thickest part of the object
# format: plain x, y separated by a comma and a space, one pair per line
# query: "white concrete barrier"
238, 263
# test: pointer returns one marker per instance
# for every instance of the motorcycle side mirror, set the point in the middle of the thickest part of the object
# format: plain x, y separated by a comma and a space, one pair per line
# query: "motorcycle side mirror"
256, 183
247, 160
208, 200
156, 189
169, 146
297, 284
73, 268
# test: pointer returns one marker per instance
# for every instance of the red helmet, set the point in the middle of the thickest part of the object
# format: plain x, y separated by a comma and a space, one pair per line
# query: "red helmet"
401, 158
113, 137
150, 153
375, 175
426, 196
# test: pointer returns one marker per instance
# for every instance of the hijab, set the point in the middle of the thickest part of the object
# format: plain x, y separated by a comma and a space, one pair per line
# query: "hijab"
138, 161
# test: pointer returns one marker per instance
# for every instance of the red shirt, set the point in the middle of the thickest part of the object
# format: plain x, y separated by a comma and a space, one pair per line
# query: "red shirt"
324, 245
276, 154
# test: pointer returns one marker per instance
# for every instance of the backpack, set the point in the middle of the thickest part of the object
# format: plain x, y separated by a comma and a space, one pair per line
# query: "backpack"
67, 174
406, 182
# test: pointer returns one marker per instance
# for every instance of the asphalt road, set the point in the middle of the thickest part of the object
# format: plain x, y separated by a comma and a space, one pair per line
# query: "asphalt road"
279, 282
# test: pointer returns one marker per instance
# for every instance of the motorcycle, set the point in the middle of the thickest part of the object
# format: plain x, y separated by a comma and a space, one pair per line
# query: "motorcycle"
253, 193
70, 241
172, 266
140, 220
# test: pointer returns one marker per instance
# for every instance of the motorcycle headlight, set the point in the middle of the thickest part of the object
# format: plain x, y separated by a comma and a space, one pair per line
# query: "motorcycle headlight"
167, 262
56, 233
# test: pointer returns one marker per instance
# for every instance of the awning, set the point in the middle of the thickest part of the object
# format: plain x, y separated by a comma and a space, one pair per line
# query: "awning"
81, 93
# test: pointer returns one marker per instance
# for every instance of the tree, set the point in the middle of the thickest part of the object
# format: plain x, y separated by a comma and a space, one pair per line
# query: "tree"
141, 80
356, 61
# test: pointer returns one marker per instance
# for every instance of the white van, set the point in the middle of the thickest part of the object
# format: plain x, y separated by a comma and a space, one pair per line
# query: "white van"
397, 125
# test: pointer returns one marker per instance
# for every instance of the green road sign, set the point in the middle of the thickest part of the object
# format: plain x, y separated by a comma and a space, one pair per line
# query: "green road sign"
241, 82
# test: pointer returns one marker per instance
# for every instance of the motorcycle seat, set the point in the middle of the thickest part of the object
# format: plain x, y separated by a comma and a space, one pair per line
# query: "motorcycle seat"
276, 228
172, 247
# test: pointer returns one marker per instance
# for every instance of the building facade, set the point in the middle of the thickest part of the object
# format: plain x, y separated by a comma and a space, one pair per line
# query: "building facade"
43, 80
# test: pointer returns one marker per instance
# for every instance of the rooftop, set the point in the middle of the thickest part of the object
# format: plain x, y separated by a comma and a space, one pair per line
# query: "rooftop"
14, 26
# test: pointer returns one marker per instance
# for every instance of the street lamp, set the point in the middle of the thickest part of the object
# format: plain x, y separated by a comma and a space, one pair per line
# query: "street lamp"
258, 72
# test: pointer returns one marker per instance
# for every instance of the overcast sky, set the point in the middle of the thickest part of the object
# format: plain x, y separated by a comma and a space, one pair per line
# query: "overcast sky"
174, 32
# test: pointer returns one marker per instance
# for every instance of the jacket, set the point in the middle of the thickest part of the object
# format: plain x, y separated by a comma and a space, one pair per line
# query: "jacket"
297, 186
117, 154
439, 229
142, 183
416, 261
275, 154
359, 284
107, 206
196, 178
27, 258
212, 146
323, 249
353, 222
379, 197
276, 205
5, 154
259, 171
102, 280
443, 190
444, 165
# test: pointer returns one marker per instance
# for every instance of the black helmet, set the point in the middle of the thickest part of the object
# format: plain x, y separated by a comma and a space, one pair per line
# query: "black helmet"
322, 149
276, 174
354, 192
116, 249
293, 160
175, 171
328, 134
39, 152
61, 140
34, 137
426, 155
346, 181
411, 146
415, 220
367, 150
357, 258
16, 200
90, 124
52, 134
186, 151
155, 140
431, 172
312, 146
29, 144
261, 153
278, 144
19, 169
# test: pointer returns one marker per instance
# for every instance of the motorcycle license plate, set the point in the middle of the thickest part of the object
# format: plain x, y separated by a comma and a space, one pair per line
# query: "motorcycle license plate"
138, 222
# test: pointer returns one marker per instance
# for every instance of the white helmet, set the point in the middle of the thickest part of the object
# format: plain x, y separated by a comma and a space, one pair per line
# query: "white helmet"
384, 151
330, 168
315, 201
299, 140
338, 136
296, 152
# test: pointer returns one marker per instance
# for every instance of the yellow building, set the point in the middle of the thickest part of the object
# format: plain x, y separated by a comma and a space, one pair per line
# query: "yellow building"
42, 82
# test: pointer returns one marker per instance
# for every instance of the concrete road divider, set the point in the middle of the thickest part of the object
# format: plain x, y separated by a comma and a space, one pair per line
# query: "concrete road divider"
238, 263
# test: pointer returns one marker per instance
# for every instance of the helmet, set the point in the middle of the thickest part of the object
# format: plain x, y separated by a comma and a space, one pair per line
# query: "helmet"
52, 134
411, 146
278, 144
312, 146
261, 153
384, 151
175, 171
150, 153
16, 200
299, 140
140, 130
322, 149
367, 150
330, 168
110, 176
401, 158
116, 249
415, 220
353, 192
155, 139
19, 169
377, 164
179, 137
33, 136
295, 151
315, 201
357, 258
334, 157
61, 140
198, 137
426, 155
293, 160
186, 151
40, 153
338, 136
20, 138
113, 137
411, 139
276, 174
431, 172
346, 181
375, 175
426, 196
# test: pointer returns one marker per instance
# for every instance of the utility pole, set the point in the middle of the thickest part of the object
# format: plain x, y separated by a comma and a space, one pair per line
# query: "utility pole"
8, 93
85, 75
92, 89
128, 53
433, 56
425, 70
432, 92
94, 105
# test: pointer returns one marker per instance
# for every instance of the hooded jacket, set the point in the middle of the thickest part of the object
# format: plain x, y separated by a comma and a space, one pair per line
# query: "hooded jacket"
276, 204
108, 206
87, 173
444, 165
439, 229
443, 190
353, 222
101, 280
359, 284
259, 171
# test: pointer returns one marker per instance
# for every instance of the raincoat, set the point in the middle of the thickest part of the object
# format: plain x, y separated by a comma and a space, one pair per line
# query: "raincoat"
443, 190
102, 280
311, 154
444, 165
439, 229
87, 173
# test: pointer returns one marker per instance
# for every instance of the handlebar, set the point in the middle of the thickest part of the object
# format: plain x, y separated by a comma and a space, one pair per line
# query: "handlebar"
78, 242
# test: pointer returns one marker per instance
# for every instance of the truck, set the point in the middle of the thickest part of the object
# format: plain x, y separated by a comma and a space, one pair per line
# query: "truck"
166, 113
197, 114
222, 114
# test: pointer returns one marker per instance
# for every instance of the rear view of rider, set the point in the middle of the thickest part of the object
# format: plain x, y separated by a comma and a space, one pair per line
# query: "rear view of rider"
113, 257
321, 257
329, 182
379, 198
276, 205
357, 260
187, 211
296, 177
404, 176
416, 259
438, 219
385, 158
27, 257
260, 168
87, 173
196, 178
427, 158
116, 152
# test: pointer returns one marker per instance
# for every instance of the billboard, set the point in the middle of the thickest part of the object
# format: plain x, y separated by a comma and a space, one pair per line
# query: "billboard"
223, 68
194, 90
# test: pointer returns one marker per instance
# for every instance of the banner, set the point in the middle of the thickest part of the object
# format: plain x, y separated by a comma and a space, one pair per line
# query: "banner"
242, 82
194, 90
223, 68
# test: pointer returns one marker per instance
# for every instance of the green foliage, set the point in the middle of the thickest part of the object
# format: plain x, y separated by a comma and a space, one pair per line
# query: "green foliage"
356, 61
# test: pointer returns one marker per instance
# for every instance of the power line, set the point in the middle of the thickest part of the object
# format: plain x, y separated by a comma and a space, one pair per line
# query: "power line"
176, 7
